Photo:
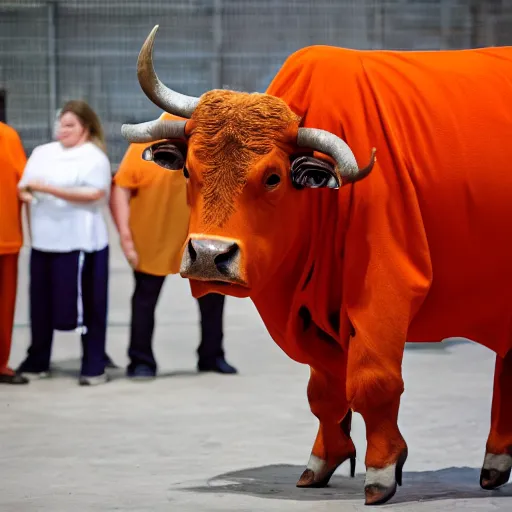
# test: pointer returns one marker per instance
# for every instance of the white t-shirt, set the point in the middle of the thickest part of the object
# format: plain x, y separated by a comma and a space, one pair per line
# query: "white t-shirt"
58, 225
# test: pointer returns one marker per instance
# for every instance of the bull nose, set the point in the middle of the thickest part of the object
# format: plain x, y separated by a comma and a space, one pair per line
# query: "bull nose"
217, 252
211, 260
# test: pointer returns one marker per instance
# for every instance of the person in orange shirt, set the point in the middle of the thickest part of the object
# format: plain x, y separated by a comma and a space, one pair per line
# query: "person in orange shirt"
12, 163
149, 208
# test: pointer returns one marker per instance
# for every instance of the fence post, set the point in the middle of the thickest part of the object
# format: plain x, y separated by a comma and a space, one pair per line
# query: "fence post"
217, 45
446, 23
52, 64
3, 106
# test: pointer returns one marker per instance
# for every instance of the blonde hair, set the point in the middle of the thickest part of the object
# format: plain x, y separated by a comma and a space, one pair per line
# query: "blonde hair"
89, 120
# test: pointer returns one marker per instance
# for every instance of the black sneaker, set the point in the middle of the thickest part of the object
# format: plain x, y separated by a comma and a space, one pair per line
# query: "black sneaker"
219, 366
14, 378
97, 380
34, 375
141, 372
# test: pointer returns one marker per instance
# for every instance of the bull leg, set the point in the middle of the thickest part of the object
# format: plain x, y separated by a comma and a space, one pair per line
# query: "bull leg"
333, 445
374, 387
498, 453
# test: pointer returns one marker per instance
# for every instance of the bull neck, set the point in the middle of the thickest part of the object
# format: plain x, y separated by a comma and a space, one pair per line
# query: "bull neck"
308, 278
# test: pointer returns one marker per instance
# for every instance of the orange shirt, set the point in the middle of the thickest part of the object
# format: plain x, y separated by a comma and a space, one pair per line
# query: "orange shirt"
12, 163
159, 214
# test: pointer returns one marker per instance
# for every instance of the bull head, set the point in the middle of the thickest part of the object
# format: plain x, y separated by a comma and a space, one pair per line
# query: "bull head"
310, 172
228, 157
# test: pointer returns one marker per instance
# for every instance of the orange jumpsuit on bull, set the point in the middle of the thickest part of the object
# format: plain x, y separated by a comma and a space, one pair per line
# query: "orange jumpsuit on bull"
428, 246
12, 163
431, 225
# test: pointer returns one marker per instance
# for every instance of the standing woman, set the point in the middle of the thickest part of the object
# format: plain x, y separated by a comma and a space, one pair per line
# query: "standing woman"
65, 186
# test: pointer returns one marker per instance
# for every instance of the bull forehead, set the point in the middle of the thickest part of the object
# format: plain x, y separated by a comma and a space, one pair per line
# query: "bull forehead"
252, 122
231, 131
223, 175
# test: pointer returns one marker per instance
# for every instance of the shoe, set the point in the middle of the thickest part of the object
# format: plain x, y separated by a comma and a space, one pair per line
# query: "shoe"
34, 375
219, 365
93, 381
14, 378
141, 372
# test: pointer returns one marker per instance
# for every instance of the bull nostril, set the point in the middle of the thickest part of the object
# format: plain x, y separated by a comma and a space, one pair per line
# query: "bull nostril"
192, 252
223, 261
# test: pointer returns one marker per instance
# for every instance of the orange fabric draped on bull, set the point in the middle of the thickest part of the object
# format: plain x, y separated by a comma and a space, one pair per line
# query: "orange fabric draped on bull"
344, 275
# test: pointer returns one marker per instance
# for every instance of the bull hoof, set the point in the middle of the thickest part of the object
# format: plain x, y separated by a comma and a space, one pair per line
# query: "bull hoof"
495, 471
492, 478
376, 494
381, 484
317, 474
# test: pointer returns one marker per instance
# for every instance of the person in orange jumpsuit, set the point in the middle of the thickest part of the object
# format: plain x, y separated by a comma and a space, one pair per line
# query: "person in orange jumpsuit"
12, 163
150, 210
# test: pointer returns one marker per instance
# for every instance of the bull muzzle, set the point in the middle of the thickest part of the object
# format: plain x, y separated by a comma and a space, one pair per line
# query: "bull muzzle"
216, 260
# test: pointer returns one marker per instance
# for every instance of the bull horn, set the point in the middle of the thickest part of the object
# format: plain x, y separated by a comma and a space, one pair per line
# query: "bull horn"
153, 130
167, 99
328, 143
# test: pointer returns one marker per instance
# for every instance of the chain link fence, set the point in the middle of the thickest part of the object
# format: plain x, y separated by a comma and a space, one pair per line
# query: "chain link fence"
52, 51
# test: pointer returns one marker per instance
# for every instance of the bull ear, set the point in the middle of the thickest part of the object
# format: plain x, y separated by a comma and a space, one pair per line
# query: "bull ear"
170, 155
310, 172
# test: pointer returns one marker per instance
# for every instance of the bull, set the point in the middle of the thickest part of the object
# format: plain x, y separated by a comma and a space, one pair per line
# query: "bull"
413, 247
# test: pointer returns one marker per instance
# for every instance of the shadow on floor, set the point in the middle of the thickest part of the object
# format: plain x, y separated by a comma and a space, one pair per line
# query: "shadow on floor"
443, 346
71, 368
278, 482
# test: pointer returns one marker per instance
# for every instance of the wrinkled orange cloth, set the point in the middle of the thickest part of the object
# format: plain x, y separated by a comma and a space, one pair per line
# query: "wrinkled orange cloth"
428, 246
159, 214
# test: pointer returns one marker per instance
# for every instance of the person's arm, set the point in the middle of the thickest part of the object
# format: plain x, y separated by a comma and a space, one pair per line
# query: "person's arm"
73, 194
120, 210
19, 158
27, 174
125, 183
26, 208
25, 196
93, 186
22, 165
20, 162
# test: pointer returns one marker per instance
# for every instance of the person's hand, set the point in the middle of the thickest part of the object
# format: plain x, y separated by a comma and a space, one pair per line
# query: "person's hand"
129, 252
36, 186
26, 196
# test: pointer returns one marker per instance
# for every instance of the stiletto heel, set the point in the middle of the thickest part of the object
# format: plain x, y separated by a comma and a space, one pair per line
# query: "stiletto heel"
352, 466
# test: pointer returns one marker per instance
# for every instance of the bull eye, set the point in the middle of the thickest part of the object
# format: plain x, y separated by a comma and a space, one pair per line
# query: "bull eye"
165, 155
185, 172
272, 180
164, 159
317, 179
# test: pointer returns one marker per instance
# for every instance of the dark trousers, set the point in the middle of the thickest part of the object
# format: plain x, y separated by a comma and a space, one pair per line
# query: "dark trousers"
144, 301
67, 291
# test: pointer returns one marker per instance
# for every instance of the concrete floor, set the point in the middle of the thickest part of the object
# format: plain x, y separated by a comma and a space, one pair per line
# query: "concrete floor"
189, 442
